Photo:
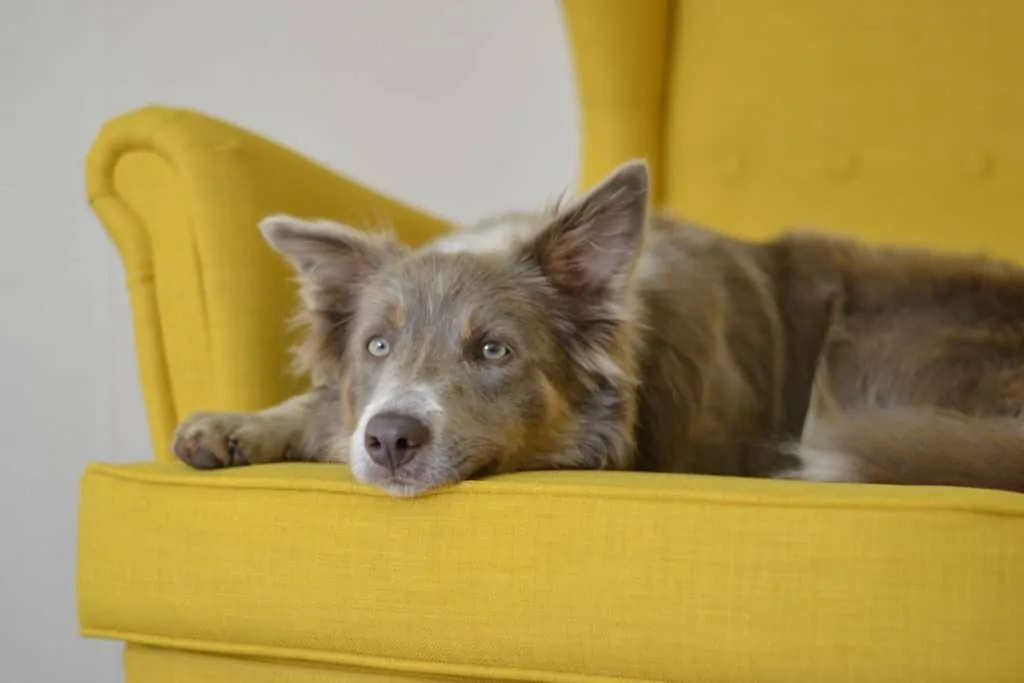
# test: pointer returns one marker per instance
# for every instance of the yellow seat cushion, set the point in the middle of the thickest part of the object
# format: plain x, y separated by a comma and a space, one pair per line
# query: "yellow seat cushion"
559, 576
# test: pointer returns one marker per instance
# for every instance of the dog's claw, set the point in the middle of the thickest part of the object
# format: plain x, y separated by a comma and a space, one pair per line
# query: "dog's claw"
236, 453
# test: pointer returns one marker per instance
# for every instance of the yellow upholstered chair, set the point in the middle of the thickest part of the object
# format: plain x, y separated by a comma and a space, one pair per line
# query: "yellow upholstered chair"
897, 121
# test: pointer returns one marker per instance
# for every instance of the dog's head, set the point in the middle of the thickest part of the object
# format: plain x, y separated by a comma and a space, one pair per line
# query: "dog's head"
495, 349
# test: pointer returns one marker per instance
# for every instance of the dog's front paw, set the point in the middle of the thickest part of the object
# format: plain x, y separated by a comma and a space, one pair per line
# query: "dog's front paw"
212, 440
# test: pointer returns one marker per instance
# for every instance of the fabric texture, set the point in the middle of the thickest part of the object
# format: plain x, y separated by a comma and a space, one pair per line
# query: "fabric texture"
582, 576
754, 116
894, 122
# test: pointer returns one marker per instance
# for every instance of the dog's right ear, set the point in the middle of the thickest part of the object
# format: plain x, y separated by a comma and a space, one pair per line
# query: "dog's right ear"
331, 259
589, 249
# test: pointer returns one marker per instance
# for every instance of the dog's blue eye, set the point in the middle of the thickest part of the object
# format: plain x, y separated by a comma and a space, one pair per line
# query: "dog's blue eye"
378, 347
494, 351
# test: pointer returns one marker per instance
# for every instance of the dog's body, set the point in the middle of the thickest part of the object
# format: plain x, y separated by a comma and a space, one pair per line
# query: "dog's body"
596, 337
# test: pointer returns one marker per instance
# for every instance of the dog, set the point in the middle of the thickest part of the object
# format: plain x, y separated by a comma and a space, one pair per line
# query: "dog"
597, 335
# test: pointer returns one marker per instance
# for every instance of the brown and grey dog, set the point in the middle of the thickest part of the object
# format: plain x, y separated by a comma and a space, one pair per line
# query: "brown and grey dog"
595, 336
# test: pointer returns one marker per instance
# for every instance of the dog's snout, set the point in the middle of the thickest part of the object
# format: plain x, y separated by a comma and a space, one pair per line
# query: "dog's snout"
393, 439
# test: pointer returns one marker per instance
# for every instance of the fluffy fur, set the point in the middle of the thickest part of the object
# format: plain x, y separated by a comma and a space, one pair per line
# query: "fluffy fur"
596, 336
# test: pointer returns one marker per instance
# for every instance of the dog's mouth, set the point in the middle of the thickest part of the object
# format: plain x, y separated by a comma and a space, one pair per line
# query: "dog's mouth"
419, 478
407, 488
485, 469
403, 485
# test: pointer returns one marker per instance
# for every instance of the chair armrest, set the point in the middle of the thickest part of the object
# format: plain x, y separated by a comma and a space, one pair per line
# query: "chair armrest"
180, 195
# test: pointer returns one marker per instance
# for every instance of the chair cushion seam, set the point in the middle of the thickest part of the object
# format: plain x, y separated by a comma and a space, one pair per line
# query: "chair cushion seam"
373, 662
1010, 509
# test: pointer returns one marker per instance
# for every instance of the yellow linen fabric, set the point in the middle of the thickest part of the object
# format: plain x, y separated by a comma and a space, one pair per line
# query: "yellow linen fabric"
896, 122
582, 576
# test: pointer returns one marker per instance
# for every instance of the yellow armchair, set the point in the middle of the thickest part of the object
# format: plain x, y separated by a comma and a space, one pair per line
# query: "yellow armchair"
179, 194
296, 573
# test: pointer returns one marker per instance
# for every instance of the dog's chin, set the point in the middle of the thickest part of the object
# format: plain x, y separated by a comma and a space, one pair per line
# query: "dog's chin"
407, 482
398, 488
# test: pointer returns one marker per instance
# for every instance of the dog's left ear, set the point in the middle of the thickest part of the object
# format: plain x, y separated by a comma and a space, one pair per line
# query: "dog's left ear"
590, 247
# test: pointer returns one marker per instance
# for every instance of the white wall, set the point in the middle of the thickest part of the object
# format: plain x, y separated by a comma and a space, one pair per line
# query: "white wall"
461, 106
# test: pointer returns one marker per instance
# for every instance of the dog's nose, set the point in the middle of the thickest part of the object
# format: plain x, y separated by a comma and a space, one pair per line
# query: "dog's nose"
392, 439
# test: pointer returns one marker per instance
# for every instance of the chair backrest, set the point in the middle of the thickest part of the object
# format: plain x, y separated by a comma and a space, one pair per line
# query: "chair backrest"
898, 122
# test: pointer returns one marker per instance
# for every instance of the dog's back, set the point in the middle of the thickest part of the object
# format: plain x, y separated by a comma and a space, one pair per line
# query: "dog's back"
860, 363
